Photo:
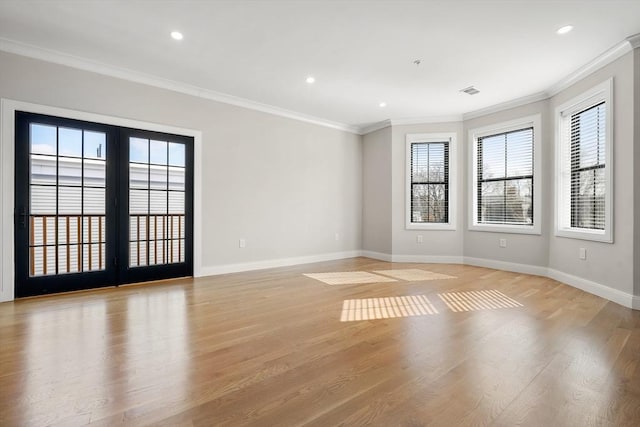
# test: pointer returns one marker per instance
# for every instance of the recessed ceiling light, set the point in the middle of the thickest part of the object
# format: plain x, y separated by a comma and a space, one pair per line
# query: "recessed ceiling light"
310, 79
176, 35
382, 104
565, 29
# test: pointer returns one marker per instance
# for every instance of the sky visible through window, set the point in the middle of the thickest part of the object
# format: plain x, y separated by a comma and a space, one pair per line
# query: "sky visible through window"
43, 139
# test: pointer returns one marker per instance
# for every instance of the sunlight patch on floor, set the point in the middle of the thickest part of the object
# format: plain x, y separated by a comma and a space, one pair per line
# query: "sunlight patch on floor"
477, 300
349, 278
414, 274
386, 308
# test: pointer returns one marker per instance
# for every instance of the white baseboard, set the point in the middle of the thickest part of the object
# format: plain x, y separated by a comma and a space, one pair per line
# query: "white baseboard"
273, 263
603, 291
606, 292
376, 255
428, 259
507, 266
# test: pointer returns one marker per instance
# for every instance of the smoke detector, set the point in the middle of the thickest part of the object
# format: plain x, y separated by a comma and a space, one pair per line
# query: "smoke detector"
470, 90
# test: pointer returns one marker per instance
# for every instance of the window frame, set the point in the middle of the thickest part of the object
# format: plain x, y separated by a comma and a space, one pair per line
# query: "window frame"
451, 139
533, 121
598, 94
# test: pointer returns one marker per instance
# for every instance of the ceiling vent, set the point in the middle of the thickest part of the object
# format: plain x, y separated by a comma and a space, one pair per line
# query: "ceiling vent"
470, 90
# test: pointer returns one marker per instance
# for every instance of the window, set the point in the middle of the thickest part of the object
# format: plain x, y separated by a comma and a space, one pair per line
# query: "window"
505, 176
584, 173
430, 181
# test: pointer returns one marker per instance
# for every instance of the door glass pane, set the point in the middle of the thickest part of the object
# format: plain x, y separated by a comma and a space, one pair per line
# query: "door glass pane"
70, 142
138, 176
95, 145
95, 173
139, 150
70, 171
94, 201
43, 169
176, 154
158, 202
69, 200
138, 202
158, 152
176, 178
158, 177
43, 139
65, 185
176, 202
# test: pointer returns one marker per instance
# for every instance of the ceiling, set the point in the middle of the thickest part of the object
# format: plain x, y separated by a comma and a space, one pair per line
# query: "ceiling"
361, 53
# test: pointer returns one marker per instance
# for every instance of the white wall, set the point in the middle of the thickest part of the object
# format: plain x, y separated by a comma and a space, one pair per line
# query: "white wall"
436, 243
377, 201
607, 264
284, 185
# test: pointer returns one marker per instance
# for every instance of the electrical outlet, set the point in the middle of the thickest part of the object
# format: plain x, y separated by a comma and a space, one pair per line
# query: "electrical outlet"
337, 236
419, 238
503, 243
242, 243
582, 254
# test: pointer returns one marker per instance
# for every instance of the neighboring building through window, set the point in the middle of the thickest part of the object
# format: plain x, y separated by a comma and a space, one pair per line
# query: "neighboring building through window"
504, 178
430, 194
588, 162
584, 173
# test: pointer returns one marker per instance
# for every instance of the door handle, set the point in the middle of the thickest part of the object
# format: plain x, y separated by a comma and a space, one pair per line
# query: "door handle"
22, 218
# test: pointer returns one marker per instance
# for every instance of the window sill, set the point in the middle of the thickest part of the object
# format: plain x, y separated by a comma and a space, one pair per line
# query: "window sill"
511, 229
431, 226
585, 234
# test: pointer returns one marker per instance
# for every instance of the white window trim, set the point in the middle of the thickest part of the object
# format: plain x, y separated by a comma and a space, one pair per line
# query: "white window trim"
474, 134
595, 95
451, 138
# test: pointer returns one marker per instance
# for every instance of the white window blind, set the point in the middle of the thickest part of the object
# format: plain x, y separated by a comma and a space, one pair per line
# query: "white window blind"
584, 167
504, 183
430, 182
588, 161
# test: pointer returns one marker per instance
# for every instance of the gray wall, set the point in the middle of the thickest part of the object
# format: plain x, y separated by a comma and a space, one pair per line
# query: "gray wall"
609, 264
435, 242
289, 187
285, 186
521, 248
376, 205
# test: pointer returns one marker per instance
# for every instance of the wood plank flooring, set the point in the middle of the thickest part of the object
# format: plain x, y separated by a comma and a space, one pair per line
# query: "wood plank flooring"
267, 348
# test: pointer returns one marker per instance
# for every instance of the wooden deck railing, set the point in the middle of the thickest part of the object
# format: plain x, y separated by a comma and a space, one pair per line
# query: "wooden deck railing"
72, 226
171, 230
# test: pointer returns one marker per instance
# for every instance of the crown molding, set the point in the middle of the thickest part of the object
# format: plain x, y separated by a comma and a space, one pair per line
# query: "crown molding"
72, 61
634, 40
57, 57
524, 100
598, 62
374, 127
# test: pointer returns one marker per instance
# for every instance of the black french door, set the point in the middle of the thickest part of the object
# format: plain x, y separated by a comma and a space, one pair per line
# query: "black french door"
99, 205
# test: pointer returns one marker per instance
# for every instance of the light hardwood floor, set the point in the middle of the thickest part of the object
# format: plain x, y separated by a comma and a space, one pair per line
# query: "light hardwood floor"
268, 348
